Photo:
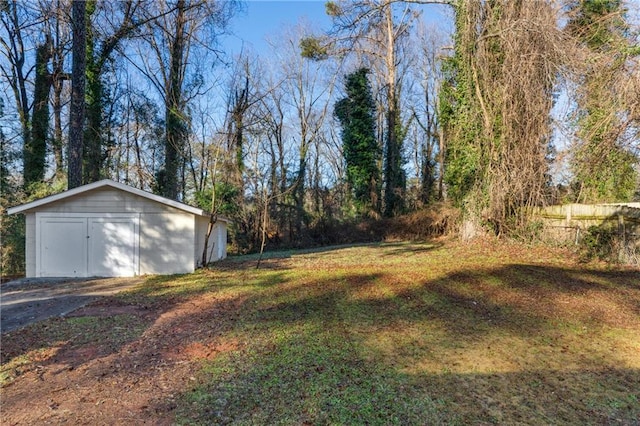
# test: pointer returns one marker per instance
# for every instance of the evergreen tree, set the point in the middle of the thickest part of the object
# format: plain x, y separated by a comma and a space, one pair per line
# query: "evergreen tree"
377, 30
356, 113
11, 227
4, 156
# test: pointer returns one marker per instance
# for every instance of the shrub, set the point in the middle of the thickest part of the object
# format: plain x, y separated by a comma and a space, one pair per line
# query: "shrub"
598, 243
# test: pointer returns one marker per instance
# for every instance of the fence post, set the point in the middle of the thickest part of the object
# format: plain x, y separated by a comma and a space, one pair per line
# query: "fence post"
621, 229
622, 255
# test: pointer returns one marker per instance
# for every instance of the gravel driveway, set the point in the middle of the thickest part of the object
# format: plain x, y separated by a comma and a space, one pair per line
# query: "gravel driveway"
28, 300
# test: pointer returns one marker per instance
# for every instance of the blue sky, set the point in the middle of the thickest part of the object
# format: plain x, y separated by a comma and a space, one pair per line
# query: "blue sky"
263, 18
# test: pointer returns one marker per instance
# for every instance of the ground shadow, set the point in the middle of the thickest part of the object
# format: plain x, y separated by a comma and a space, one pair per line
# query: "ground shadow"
21, 314
407, 357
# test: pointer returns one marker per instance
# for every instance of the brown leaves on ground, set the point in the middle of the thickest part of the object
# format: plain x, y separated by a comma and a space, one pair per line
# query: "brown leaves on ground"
132, 383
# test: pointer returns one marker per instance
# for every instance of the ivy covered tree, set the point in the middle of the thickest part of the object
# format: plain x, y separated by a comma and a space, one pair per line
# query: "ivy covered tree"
603, 165
357, 115
377, 31
11, 227
495, 107
75, 145
35, 147
102, 44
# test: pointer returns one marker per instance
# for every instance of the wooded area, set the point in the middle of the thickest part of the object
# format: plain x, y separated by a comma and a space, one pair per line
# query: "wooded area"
512, 106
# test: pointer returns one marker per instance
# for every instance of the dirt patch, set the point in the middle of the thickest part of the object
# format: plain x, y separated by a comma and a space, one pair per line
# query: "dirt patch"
104, 310
200, 350
111, 381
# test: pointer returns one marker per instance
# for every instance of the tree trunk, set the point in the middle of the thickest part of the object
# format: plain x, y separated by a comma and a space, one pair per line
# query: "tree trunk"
94, 132
394, 183
299, 192
236, 136
58, 78
35, 151
175, 126
56, 143
76, 111
442, 195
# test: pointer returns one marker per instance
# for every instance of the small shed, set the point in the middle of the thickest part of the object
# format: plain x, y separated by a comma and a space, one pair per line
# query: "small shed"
108, 229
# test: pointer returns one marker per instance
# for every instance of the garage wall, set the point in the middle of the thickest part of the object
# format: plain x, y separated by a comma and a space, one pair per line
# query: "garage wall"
220, 231
217, 246
202, 223
170, 239
103, 200
30, 245
166, 243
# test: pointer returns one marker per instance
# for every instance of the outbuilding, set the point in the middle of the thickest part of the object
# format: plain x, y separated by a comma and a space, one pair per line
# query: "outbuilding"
108, 229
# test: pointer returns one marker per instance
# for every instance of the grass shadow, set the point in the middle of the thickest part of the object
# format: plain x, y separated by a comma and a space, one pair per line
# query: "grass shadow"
150, 316
409, 249
498, 345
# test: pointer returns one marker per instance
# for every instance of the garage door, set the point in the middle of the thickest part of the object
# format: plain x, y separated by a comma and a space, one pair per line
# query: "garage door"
111, 247
63, 247
85, 246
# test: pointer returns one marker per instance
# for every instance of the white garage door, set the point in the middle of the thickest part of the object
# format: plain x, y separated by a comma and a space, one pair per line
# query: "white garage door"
85, 246
112, 247
63, 247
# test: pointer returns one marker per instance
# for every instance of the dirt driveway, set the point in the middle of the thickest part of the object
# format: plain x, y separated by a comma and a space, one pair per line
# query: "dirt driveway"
28, 300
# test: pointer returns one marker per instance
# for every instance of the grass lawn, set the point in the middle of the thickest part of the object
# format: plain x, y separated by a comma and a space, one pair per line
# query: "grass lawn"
396, 333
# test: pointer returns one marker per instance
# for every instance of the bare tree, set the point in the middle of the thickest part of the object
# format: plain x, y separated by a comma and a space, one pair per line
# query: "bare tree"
59, 29
16, 71
35, 147
271, 118
309, 91
136, 136
428, 151
183, 27
109, 24
241, 97
20, 24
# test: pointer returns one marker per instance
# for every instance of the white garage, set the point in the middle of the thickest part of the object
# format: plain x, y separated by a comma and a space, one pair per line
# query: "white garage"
108, 229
